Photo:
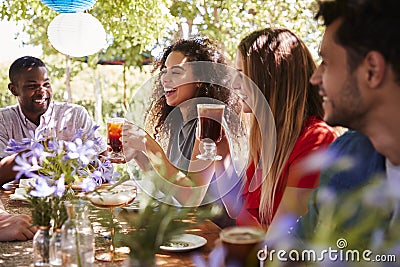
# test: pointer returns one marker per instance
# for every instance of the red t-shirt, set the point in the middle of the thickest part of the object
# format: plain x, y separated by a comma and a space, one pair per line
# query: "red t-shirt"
315, 135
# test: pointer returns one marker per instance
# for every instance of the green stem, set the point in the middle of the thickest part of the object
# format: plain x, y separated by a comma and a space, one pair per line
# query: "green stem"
78, 255
112, 234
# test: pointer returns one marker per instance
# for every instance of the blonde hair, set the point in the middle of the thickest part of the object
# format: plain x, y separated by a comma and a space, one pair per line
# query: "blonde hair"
280, 65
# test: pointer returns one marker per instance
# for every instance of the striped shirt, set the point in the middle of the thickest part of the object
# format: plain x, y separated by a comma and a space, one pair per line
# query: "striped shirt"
61, 118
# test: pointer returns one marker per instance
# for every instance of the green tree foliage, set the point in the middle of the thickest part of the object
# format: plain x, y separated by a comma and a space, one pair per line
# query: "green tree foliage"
134, 27
229, 21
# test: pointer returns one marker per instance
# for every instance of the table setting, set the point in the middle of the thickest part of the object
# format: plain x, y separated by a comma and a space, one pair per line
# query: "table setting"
195, 237
126, 220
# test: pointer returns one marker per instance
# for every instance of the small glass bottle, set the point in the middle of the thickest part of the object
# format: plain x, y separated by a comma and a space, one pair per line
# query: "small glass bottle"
77, 237
55, 249
41, 242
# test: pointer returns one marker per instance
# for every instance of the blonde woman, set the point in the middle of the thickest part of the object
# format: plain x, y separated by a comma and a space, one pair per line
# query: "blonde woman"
280, 65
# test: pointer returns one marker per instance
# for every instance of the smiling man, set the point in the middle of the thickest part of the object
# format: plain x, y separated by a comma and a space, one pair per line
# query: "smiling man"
359, 77
359, 81
36, 113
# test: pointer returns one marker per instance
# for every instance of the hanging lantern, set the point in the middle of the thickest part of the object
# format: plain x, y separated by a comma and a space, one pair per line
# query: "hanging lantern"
76, 34
69, 6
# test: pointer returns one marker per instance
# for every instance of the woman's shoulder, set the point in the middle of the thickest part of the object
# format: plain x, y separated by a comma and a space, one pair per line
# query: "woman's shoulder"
313, 123
316, 128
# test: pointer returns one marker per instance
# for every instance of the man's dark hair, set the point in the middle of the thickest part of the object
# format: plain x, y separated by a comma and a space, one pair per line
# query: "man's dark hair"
366, 25
21, 64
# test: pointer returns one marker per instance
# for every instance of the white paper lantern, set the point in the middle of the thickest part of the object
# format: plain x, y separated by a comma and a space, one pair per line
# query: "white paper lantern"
76, 34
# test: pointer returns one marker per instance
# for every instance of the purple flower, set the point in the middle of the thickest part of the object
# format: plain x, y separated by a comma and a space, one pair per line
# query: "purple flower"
60, 186
106, 169
26, 143
97, 177
91, 135
84, 152
55, 159
326, 196
53, 145
16, 147
79, 134
279, 233
25, 166
88, 184
216, 258
42, 188
39, 153
199, 261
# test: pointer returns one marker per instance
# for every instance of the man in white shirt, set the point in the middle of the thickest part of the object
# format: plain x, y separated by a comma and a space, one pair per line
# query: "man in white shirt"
36, 112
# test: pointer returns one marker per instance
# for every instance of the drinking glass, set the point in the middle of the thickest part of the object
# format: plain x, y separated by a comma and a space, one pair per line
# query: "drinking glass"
118, 196
210, 129
114, 137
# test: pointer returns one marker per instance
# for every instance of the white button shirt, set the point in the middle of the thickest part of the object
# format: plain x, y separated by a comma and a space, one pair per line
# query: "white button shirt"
61, 118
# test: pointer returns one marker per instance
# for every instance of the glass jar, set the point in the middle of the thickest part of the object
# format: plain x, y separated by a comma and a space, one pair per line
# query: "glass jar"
55, 249
41, 242
77, 236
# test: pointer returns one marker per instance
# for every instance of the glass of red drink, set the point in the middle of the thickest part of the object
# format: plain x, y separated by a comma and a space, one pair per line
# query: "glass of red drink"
114, 137
210, 129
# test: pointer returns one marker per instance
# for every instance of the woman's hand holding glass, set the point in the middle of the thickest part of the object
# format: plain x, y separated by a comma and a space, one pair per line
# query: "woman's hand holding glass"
209, 130
134, 140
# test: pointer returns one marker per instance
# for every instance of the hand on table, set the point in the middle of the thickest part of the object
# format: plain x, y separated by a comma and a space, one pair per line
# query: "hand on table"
16, 227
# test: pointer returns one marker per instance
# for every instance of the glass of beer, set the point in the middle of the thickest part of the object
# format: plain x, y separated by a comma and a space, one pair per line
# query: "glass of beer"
114, 137
242, 244
210, 129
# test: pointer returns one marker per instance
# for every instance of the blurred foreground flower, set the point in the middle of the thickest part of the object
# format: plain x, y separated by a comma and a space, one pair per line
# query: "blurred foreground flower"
359, 226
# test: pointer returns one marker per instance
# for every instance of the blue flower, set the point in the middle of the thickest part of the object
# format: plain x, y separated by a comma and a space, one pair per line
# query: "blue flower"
88, 184
216, 258
91, 135
16, 147
326, 196
79, 134
280, 235
23, 166
42, 188
106, 169
84, 152
26, 143
60, 186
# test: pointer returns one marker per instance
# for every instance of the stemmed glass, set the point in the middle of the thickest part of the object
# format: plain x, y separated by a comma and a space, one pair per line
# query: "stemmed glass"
112, 198
114, 137
210, 130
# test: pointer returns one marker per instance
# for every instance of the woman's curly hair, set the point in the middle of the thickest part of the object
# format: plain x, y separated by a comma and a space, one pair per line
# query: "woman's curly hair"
195, 49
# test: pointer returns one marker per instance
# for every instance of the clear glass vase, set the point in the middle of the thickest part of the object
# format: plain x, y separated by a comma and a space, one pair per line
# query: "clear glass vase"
55, 249
77, 236
41, 250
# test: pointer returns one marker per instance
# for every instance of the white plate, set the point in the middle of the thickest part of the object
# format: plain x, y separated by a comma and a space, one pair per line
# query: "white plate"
26, 183
184, 242
19, 194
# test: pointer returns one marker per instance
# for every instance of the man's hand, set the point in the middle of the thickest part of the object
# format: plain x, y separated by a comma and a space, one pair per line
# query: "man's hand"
16, 227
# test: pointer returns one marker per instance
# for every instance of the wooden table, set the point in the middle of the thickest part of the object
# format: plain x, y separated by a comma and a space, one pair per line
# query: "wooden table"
20, 253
